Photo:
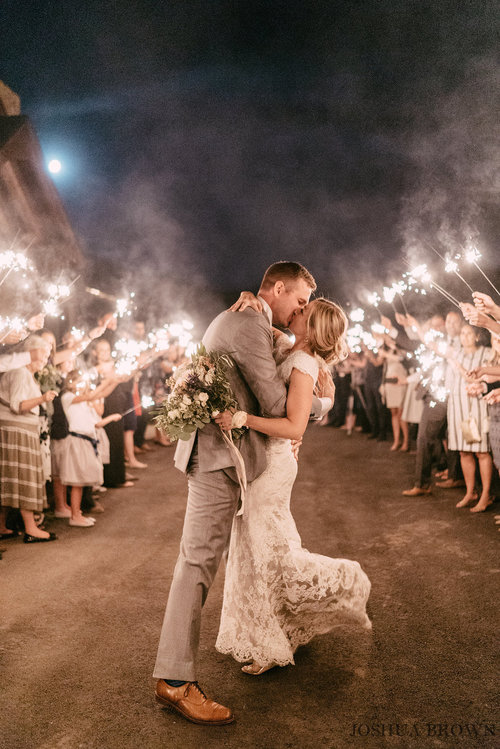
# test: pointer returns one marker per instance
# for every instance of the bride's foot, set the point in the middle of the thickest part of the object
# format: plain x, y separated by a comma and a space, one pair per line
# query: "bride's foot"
394, 446
467, 500
255, 669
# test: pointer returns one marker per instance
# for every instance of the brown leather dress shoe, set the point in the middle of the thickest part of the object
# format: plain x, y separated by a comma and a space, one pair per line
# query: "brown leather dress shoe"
417, 491
190, 701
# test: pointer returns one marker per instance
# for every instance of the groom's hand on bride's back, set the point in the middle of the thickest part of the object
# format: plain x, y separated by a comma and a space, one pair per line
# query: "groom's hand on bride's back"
246, 299
295, 448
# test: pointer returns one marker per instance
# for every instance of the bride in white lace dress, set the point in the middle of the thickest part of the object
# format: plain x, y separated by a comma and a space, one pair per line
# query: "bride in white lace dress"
278, 595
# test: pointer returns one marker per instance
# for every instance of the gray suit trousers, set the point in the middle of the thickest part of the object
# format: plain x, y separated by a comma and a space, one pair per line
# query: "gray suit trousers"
212, 501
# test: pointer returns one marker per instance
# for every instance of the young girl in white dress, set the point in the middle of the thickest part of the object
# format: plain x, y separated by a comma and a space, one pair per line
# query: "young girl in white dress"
277, 595
79, 461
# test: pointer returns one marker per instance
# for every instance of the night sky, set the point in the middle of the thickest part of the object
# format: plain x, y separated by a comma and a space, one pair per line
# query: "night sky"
205, 139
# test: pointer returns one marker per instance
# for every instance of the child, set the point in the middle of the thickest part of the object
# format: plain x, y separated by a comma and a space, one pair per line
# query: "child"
78, 460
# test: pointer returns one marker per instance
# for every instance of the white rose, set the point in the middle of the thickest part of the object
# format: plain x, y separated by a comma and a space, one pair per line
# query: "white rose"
186, 399
174, 414
203, 397
215, 413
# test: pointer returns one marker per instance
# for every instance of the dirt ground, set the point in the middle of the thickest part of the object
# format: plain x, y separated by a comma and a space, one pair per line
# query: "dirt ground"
80, 620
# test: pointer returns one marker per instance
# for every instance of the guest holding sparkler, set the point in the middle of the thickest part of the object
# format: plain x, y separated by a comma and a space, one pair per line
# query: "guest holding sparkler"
485, 382
79, 462
468, 420
22, 483
60, 431
375, 409
433, 423
391, 389
115, 402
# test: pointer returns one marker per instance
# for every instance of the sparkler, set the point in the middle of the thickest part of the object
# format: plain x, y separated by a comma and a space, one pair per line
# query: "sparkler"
126, 354
431, 367
146, 402
452, 267
374, 299
399, 288
420, 273
14, 261
357, 335
123, 304
472, 255
389, 294
357, 315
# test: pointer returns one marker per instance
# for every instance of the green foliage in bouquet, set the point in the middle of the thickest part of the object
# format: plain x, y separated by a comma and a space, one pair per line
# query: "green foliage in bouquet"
200, 390
49, 378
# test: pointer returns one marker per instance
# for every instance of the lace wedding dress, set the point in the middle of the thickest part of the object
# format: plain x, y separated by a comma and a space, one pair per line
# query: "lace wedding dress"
278, 595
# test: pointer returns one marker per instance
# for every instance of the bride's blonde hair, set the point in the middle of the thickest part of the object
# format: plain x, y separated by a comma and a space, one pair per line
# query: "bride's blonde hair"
326, 328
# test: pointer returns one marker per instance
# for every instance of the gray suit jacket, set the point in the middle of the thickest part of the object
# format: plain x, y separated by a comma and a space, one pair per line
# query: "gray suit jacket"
247, 338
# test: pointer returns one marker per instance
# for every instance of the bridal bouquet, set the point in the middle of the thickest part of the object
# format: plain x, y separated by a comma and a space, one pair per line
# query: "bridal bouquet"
200, 390
49, 378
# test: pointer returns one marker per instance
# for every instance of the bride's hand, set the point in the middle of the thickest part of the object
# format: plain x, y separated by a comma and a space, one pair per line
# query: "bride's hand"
224, 420
246, 299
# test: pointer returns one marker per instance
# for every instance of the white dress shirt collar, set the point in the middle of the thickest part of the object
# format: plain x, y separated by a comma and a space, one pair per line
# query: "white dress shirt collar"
266, 309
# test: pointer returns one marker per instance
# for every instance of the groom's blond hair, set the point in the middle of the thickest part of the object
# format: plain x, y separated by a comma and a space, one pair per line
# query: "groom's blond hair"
286, 271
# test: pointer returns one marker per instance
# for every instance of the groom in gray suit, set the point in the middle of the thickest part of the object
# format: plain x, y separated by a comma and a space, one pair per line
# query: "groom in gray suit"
214, 491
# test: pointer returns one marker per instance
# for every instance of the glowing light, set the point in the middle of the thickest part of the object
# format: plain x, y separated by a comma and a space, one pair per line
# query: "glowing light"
357, 315
50, 308
147, 401
54, 166
13, 261
451, 266
77, 334
121, 307
373, 299
419, 271
472, 255
388, 294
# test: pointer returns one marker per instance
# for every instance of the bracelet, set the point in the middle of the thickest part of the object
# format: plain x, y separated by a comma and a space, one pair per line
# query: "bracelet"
239, 419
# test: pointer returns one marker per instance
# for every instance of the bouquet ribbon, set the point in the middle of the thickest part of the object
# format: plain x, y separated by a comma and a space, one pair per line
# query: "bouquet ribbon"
239, 465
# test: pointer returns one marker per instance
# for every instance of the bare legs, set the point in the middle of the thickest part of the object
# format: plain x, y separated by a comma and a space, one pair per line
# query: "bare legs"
469, 469
31, 527
61, 506
398, 425
128, 438
486, 471
405, 431
3, 528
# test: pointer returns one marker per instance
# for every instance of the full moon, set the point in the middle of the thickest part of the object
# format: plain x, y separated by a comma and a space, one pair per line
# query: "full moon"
54, 166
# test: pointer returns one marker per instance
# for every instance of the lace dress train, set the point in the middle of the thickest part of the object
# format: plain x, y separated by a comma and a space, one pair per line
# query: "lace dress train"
278, 595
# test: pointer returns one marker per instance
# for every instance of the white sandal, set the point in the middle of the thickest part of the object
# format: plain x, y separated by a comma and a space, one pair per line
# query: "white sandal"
249, 668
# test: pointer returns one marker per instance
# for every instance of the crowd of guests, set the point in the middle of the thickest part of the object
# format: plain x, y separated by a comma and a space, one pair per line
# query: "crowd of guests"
449, 410
71, 426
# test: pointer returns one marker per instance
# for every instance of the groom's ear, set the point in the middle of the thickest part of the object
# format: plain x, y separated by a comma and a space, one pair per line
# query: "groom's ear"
279, 288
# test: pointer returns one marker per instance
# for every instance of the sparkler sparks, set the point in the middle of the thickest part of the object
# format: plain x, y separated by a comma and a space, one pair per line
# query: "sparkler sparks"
472, 255
374, 299
357, 315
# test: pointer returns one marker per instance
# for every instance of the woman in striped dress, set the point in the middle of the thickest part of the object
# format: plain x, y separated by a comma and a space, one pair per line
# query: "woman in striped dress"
463, 407
22, 483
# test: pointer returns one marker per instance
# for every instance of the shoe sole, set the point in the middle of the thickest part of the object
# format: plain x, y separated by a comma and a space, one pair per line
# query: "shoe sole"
165, 703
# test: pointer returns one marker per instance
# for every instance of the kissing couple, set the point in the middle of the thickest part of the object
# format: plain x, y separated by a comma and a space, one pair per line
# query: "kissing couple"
277, 595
